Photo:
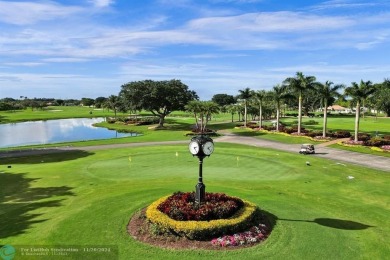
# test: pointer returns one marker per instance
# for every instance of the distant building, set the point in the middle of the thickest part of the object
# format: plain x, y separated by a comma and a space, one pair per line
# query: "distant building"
339, 109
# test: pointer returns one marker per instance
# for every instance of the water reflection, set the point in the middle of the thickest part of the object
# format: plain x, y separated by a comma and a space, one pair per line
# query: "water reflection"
54, 131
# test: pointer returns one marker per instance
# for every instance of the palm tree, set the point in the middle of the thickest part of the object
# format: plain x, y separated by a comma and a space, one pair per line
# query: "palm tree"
299, 84
202, 111
209, 108
326, 92
368, 89
195, 107
277, 95
113, 103
359, 93
245, 94
259, 97
232, 109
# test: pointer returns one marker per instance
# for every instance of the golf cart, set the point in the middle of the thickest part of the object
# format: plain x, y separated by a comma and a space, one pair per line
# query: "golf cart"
307, 149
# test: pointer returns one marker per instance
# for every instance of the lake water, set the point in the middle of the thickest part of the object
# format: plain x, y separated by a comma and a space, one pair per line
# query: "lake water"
55, 131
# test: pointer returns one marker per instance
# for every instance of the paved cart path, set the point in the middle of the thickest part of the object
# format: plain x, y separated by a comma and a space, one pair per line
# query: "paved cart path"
367, 160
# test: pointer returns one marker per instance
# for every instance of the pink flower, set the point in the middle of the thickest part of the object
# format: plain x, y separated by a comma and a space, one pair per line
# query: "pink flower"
253, 235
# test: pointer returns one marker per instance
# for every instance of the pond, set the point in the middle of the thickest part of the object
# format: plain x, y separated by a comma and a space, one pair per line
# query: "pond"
55, 131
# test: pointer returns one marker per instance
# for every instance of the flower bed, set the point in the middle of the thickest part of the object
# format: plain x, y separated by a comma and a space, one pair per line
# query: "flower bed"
243, 219
182, 206
254, 235
386, 147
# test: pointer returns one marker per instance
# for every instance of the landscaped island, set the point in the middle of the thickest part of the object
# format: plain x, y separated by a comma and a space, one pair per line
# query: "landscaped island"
220, 221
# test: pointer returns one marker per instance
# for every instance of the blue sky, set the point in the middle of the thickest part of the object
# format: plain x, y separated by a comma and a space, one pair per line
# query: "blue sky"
89, 48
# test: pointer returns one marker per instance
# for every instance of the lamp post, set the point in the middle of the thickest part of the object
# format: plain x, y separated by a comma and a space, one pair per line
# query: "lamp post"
201, 146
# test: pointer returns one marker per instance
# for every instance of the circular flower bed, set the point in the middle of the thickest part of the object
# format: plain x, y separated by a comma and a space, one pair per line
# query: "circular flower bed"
182, 206
244, 217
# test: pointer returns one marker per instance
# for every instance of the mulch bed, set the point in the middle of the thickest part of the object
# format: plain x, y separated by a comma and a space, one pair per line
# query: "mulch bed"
139, 229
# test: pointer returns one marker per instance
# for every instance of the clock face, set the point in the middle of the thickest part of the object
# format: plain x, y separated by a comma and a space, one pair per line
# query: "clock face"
208, 148
194, 147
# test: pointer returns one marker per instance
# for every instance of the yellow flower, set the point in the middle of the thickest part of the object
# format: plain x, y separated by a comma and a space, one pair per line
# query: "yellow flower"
199, 228
374, 148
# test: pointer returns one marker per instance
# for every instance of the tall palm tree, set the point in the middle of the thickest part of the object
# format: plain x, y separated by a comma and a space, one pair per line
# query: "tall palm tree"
326, 92
359, 93
299, 84
368, 89
259, 97
113, 102
209, 108
277, 95
232, 109
245, 94
202, 111
195, 107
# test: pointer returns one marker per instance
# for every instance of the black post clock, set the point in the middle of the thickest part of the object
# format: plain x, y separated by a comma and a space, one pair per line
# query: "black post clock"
201, 146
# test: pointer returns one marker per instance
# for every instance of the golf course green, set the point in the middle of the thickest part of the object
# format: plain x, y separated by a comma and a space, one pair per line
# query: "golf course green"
327, 210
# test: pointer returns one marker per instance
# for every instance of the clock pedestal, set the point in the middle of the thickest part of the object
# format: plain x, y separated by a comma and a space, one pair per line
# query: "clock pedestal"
200, 188
201, 146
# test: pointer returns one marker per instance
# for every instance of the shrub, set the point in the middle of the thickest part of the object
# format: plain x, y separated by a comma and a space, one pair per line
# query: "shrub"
110, 120
269, 127
292, 114
311, 115
311, 122
303, 130
252, 125
363, 137
182, 206
246, 217
341, 134
248, 124
377, 141
148, 120
314, 133
290, 130
206, 133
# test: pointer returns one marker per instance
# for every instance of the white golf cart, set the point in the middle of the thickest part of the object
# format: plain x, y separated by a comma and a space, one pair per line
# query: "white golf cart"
307, 149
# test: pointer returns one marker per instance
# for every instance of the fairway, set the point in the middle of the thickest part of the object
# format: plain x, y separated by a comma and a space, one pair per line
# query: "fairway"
87, 198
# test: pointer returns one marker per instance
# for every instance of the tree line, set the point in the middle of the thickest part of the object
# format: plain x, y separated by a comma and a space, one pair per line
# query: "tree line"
307, 94
300, 92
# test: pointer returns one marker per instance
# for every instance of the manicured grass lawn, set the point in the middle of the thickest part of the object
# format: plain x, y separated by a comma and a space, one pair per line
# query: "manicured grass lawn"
87, 198
275, 137
53, 112
371, 125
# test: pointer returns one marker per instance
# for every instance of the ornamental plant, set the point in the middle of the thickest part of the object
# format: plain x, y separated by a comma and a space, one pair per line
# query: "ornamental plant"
247, 216
182, 206
253, 235
386, 147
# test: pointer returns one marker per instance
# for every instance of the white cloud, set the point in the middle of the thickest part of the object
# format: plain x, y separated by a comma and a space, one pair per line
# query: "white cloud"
271, 22
343, 4
159, 49
101, 3
237, 1
250, 31
23, 64
23, 13
65, 59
